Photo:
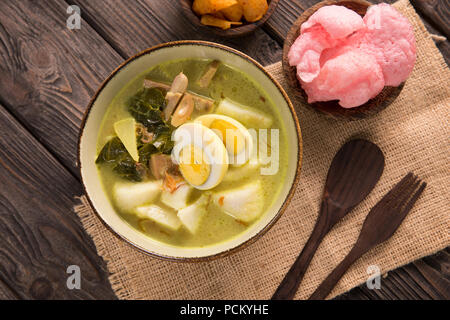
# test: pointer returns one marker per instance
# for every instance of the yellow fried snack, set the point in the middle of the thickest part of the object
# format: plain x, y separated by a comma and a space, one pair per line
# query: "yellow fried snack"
233, 13
219, 15
254, 10
202, 7
210, 20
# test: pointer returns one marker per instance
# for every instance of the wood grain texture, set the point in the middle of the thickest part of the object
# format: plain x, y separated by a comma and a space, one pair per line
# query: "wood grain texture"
428, 278
147, 23
437, 13
49, 72
287, 12
40, 236
434, 28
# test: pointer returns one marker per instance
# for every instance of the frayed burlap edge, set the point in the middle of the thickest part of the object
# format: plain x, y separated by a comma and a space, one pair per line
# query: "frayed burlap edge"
118, 274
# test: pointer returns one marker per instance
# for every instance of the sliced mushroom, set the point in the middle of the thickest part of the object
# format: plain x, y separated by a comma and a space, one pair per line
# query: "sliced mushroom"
202, 104
172, 99
207, 77
183, 111
153, 84
180, 83
176, 91
159, 164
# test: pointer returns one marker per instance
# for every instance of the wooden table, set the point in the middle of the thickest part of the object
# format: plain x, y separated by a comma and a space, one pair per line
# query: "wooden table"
48, 74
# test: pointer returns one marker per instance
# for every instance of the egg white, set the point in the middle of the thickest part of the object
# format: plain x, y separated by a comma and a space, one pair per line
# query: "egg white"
212, 146
243, 156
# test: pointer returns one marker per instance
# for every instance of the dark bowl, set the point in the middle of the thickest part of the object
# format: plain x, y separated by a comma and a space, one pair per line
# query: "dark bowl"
332, 108
234, 31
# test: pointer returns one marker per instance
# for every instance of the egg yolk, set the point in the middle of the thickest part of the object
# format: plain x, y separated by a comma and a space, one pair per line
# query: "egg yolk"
194, 165
231, 136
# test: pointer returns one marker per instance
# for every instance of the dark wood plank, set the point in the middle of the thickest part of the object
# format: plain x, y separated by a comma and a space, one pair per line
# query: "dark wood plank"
6, 293
40, 236
443, 46
132, 28
48, 72
434, 270
287, 12
428, 278
437, 13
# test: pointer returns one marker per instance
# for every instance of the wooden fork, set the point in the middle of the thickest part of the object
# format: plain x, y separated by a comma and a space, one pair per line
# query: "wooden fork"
380, 224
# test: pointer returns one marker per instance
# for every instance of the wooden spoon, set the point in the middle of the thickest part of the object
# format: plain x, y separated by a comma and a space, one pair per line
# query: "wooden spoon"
380, 224
354, 172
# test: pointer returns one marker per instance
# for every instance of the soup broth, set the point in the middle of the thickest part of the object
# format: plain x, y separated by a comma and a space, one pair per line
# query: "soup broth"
221, 218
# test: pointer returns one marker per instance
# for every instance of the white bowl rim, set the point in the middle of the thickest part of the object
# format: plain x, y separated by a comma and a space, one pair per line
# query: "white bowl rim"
286, 201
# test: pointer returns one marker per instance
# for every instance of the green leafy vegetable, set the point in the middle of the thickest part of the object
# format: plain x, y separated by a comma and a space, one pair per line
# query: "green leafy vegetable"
111, 151
145, 152
127, 169
164, 141
154, 96
115, 154
146, 107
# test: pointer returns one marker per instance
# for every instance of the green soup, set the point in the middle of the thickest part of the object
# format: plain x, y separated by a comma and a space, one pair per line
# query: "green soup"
216, 224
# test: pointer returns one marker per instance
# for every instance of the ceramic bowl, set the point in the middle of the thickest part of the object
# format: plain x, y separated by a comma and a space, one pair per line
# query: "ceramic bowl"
127, 72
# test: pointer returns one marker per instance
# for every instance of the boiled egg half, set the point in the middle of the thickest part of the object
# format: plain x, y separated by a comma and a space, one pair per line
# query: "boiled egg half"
200, 154
233, 134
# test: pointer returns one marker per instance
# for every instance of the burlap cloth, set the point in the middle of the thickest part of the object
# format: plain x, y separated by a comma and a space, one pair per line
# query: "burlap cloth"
413, 134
